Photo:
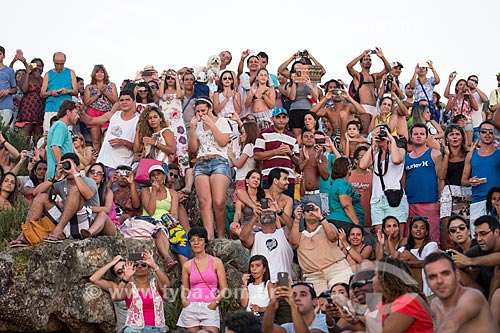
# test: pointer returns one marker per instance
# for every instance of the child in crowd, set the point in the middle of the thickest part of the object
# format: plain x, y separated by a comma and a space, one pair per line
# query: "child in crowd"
256, 288
353, 139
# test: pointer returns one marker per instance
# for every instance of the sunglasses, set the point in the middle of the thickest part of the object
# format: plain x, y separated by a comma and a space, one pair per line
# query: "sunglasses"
174, 176
486, 131
419, 218
475, 81
120, 271
360, 283
153, 87
95, 172
140, 264
75, 138
461, 227
142, 91
228, 78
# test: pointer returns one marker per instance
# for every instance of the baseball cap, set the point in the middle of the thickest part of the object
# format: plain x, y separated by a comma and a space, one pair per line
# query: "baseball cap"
156, 167
396, 64
278, 111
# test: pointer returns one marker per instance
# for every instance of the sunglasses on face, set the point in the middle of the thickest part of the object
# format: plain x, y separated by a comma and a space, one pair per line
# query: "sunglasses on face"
461, 227
475, 81
486, 131
96, 173
174, 176
227, 78
142, 91
75, 138
140, 264
360, 283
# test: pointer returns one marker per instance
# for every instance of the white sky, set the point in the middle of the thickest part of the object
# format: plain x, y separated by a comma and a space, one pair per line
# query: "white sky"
126, 35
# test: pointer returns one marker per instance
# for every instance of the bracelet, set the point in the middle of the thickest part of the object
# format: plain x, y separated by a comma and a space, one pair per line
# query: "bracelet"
157, 268
244, 287
124, 281
322, 219
333, 326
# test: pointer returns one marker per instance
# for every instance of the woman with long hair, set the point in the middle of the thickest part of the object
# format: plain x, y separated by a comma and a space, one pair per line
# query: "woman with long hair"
257, 286
422, 114
227, 100
153, 136
144, 96
261, 99
99, 97
144, 296
404, 308
418, 247
86, 154
30, 115
37, 176
243, 213
389, 238
171, 105
208, 140
200, 278
356, 252
245, 163
493, 202
246, 79
452, 166
8, 191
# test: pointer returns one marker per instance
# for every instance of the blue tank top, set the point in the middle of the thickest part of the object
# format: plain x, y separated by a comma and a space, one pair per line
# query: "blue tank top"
485, 167
57, 80
421, 179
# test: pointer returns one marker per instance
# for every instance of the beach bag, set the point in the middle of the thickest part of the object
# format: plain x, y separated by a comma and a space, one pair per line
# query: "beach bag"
36, 231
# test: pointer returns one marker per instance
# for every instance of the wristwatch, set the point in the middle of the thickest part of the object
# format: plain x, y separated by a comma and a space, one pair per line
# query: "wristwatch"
217, 302
124, 281
281, 212
348, 248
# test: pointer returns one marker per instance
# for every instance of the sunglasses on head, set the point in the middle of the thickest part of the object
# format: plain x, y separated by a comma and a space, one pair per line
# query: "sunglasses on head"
360, 283
140, 264
461, 227
419, 218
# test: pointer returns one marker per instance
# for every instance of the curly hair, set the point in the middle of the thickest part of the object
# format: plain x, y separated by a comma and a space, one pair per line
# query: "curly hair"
396, 279
143, 124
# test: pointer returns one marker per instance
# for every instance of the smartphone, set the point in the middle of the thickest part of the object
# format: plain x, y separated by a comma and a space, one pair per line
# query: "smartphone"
346, 309
482, 180
264, 204
135, 256
329, 300
454, 73
33, 65
373, 51
19, 53
320, 141
282, 279
30, 153
122, 173
423, 64
450, 253
336, 92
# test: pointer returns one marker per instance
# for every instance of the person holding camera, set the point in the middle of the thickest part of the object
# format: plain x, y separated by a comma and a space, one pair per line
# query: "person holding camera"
387, 160
423, 87
59, 139
320, 259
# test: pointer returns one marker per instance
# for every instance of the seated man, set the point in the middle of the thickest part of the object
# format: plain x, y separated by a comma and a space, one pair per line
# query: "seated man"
479, 262
302, 300
78, 194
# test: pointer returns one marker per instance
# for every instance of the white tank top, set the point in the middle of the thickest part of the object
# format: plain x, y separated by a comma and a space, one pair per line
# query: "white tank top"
257, 294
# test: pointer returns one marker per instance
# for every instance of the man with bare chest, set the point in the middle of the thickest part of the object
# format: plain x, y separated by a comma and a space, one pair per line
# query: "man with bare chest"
313, 165
456, 308
365, 82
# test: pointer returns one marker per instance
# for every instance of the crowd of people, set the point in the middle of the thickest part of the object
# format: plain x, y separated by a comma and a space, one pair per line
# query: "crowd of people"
388, 198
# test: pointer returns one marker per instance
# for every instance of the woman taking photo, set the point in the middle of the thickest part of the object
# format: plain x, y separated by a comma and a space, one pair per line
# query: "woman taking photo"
208, 140
344, 201
171, 106
243, 213
261, 99
403, 307
99, 97
144, 297
389, 238
452, 167
422, 114
387, 160
200, 278
30, 115
153, 136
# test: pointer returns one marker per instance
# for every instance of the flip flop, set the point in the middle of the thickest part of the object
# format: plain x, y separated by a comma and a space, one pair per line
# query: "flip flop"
18, 243
53, 239
85, 233
171, 265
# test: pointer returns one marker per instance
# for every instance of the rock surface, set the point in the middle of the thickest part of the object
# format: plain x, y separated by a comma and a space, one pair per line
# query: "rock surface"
46, 287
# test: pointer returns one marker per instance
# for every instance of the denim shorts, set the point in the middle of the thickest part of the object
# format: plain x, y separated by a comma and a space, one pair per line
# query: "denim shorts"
213, 166
146, 329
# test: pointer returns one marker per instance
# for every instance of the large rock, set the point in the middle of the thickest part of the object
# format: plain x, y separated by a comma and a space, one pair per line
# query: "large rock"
46, 287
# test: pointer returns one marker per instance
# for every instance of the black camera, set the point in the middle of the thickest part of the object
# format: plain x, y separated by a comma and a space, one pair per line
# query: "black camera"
264, 204
303, 53
307, 207
66, 165
382, 134
389, 77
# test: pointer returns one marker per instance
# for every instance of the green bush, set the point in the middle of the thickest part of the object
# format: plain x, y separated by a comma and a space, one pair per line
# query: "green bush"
10, 223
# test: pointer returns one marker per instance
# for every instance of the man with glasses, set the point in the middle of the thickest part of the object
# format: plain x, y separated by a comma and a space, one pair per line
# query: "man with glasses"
455, 308
477, 115
459, 231
482, 170
58, 84
480, 261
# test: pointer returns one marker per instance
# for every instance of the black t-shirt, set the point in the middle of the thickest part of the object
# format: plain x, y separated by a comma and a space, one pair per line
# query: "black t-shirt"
485, 272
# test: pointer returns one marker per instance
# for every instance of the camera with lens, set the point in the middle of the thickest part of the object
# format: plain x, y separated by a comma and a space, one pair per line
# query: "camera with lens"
382, 134
303, 53
307, 207
264, 204
389, 77
66, 165
122, 173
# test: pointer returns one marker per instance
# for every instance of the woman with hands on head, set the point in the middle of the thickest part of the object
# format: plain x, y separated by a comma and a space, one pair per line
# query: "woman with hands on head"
209, 139
357, 253
144, 297
321, 261
389, 238
200, 278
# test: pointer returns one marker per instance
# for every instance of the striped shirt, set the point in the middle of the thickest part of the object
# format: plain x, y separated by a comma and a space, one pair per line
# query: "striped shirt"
268, 140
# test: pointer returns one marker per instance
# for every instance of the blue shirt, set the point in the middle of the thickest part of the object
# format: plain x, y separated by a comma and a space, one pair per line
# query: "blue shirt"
7, 81
485, 167
58, 80
340, 187
60, 136
324, 185
421, 179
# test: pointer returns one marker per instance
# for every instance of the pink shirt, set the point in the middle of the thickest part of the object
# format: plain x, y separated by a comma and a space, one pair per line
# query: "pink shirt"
203, 285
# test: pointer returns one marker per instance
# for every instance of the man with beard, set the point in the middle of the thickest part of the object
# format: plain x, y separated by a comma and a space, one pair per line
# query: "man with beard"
456, 308
277, 148
482, 171
365, 83
340, 108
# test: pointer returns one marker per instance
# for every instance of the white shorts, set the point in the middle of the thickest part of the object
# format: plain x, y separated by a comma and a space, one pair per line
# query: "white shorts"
477, 209
197, 314
84, 216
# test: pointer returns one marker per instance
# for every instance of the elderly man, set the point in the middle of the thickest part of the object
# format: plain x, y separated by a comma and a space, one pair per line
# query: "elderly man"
58, 84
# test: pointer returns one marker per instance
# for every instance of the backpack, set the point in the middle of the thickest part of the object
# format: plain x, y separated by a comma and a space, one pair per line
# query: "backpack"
354, 92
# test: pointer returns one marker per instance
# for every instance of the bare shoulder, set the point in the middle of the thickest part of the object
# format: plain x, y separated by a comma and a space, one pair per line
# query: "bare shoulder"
472, 295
